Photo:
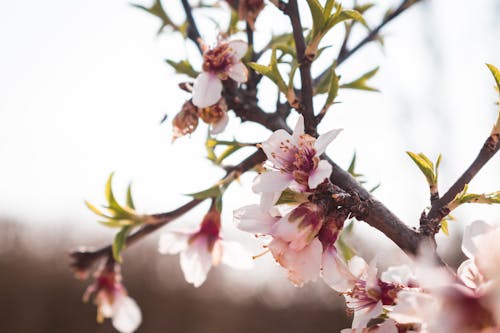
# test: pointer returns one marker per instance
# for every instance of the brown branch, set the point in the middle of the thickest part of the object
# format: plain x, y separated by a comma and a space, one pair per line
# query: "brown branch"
439, 208
306, 96
375, 213
84, 259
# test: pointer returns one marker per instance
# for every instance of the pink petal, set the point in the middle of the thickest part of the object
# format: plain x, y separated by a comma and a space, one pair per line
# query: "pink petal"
272, 147
335, 272
271, 181
196, 262
239, 48
469, 274
476, 228
253, 219
324, 140
291, 232
299, 128
207, 90
363, 316
220, 125
238, 72
322, 172
302, 266
127, 316
401, 275
173, 242
268, 199
235, 256
414, 307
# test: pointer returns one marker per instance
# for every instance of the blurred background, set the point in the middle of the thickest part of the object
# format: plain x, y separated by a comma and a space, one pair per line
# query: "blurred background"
83, 88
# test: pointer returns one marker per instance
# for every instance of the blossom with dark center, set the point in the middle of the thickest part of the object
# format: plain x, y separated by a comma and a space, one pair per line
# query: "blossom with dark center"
202, 248
219, 64
112, 300
215, 115
294, 162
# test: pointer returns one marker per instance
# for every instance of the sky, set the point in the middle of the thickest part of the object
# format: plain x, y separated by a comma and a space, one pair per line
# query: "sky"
84, 85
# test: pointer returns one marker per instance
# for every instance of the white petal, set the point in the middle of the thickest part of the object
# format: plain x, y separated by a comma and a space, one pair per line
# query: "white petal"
239, 48
414, 307
173, 242
469, 274
268, 199
127, 316
235, 256
238, 72
398, 274
275, 154
324, 140
474, 229
363, 316
271, 181
299, 128
252, 219
388, 326
196, 262
220, 125
322, 172
357, 266
335, 272
207, 90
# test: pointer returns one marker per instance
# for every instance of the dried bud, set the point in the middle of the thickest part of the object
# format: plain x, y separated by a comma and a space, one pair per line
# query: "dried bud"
248, 10
215, 115
81, 262
186, 121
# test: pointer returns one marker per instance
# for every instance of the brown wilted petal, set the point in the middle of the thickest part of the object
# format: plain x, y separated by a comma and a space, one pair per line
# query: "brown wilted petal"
186, 121
214, 113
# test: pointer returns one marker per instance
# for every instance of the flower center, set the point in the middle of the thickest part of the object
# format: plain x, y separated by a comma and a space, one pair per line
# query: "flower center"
218, 60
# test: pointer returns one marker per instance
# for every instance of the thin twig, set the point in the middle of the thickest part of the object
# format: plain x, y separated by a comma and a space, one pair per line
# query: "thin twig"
192, 30
439, 207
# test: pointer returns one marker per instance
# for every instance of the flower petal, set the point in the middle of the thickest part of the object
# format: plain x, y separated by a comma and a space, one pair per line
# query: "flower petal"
127, 316
401, 275
252, 219
235, 256
173, 242
238, 72
474, 229
273, 148
322, 172
219, 126
335, 272
299, 128
271, 181
469, 274
207, 90
363, 316
268, 199
239, 48
324, 140
196, 262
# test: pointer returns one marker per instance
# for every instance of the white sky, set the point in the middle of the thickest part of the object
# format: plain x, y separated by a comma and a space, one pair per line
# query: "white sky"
83, 87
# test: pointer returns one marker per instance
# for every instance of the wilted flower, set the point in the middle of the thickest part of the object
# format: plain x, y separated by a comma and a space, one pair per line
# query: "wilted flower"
219, 64
215, 115
201, 249
248, 10
112, 300
186, 121
295, 161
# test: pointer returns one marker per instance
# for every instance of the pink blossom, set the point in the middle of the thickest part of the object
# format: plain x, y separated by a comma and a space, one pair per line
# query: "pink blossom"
112, 300
219, 64
295, 161
201, 249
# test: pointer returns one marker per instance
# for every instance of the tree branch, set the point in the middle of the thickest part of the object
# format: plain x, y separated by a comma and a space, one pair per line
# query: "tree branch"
439, 208
306, 96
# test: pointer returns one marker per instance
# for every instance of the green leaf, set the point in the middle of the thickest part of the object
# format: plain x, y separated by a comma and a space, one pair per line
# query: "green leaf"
444, 227
361, 82
496, 75
271, 72
157, 10
333, 88
95, 210
425, 165
183, 67
344, 15
130, 200
317, 16
120, 242
226, 153
113, 205
290, 197
212, 192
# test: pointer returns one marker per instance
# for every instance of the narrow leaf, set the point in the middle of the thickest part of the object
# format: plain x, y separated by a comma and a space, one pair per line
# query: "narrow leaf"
119, 242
